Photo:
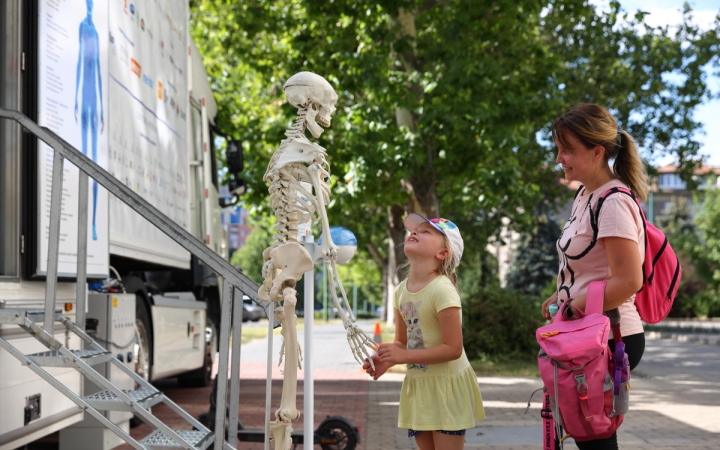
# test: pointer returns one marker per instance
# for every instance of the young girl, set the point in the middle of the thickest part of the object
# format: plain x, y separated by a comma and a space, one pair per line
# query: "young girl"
440, 397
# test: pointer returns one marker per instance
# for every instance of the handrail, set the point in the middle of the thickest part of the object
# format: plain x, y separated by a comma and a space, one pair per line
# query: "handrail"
231, 311
139, 204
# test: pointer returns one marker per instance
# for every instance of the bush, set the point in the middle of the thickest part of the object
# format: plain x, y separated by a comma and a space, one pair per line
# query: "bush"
500, 324
702, 305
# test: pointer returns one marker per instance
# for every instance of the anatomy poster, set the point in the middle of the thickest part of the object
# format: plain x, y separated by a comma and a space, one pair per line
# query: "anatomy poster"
148, 91
73, 102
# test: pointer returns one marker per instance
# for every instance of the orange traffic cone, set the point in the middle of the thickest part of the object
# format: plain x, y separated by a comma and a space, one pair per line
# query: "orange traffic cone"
377, 335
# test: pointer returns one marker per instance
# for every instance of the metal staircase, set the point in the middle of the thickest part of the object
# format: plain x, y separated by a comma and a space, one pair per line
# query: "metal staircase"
111, 398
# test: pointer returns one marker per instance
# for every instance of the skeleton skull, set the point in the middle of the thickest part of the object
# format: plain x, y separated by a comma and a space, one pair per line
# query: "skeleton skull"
306, 89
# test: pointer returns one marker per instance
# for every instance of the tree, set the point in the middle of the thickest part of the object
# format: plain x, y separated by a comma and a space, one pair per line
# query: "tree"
535, 260
445, 106
248, 258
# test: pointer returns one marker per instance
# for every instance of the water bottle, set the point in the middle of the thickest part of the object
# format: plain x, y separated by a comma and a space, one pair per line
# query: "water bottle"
553, 309
621, 379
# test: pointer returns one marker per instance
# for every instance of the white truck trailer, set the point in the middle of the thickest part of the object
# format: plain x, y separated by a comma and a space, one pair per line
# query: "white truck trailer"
123, 82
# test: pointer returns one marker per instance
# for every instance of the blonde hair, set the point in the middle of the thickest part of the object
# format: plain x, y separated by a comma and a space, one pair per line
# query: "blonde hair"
445, 267
594, 126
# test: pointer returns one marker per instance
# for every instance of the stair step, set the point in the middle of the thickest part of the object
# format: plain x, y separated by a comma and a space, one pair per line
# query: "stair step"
54, 358
158, 440
108, 401
17, 315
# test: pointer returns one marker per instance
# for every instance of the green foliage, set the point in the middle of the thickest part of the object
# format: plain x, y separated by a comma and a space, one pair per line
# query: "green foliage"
249, 258
697, 242
500, 324
535, 260
707, 250
362, 272
480, 82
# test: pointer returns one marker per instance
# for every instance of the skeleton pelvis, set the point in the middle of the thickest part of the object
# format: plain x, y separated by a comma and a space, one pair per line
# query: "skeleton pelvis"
292, 260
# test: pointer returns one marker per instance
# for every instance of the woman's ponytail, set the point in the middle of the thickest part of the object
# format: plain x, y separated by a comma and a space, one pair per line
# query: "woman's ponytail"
629, 167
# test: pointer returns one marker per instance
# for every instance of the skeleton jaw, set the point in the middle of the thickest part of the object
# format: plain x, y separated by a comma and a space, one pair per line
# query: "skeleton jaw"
310, 118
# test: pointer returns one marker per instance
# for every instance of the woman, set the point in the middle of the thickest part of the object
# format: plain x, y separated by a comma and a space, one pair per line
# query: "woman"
609, 247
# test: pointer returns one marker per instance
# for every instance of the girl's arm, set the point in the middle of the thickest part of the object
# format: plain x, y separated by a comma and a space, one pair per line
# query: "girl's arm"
400, 342
626, 269
450, 349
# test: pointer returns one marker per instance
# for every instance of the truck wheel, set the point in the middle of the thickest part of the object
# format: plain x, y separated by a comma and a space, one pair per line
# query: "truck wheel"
142, 347
142, 334
202, 377
337, 435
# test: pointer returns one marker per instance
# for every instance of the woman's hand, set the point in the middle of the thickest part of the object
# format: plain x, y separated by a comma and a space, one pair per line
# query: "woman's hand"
380, 367
550, 301
391, 353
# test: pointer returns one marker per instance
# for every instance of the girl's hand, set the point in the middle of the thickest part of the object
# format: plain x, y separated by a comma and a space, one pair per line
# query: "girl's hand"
380, 367
391, 353
551, 301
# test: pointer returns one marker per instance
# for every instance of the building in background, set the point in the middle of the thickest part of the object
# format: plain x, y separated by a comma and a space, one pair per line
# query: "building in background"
235, 222
668, 186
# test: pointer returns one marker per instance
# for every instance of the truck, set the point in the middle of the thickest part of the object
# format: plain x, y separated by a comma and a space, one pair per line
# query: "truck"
123, 82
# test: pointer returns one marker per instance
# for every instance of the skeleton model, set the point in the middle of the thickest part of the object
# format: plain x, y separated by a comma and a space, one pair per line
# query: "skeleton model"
297, 175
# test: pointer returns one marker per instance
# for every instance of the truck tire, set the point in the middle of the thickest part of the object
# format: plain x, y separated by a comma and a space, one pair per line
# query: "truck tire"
144, 336
142, 351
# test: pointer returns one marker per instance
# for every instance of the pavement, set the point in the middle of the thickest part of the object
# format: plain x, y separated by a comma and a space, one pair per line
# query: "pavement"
675, 398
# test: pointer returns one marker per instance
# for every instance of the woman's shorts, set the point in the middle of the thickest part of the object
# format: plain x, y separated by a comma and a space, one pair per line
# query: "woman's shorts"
412, 433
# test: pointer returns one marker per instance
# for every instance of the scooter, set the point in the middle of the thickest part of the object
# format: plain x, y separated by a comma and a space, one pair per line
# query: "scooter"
334, 433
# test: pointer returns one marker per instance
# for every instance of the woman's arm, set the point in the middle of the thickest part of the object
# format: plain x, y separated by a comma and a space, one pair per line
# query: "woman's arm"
450, 349
626, 268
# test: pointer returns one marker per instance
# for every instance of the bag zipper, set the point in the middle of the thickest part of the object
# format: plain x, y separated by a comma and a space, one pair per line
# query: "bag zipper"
655, 260
675, 278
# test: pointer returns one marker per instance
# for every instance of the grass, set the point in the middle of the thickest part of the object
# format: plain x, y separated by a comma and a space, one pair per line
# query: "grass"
515, 367
250, 334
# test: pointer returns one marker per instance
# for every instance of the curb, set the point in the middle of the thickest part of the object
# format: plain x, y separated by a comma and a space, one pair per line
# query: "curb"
707, 339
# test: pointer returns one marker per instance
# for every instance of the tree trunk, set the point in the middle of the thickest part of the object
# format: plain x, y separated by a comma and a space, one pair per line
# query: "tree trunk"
421, 189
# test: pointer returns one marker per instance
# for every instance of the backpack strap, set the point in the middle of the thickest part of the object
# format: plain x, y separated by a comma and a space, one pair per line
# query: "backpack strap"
595, 297
578, 191
626, 191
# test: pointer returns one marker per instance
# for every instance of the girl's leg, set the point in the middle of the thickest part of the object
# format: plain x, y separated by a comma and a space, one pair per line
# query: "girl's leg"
600, 444
448, 441
424, 440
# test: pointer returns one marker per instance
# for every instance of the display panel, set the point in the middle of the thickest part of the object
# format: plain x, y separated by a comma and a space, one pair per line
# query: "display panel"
73, 102
148, 91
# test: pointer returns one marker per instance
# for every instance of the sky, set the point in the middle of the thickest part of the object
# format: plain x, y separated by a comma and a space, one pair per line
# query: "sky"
668, 12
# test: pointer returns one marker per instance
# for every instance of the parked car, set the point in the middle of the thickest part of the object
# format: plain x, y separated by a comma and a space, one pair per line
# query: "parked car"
252, 311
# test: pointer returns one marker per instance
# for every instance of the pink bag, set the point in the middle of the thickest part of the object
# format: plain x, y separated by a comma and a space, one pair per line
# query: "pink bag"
576, 365
661, 269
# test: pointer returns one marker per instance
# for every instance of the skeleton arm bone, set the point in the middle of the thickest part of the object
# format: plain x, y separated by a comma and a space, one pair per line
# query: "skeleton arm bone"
328, 247
357, 339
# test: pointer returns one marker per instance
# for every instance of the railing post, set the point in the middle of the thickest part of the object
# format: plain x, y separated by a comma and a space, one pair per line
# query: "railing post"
53, 242
235, 370
222, 375
82, 251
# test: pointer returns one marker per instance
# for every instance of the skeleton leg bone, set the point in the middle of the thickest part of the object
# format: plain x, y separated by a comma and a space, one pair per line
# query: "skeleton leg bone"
281, 427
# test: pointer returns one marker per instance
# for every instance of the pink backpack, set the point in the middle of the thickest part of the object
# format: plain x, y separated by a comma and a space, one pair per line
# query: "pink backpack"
661, 268
588, 396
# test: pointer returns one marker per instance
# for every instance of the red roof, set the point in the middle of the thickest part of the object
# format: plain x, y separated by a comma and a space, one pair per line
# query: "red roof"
702, 170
